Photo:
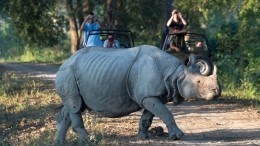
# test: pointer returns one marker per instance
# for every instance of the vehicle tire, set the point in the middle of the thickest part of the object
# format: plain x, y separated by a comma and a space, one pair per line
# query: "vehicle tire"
204, 65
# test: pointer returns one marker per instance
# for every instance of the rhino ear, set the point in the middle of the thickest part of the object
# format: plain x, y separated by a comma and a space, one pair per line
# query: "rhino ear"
192, 60
215, 70
192, 64
214, 74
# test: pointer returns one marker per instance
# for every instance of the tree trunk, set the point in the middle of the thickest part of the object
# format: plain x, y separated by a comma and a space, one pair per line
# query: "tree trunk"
111, 13
166, 14
84, 10
73, 27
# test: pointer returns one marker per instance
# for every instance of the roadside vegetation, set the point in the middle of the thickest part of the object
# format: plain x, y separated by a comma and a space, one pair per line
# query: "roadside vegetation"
28, 106
14, 49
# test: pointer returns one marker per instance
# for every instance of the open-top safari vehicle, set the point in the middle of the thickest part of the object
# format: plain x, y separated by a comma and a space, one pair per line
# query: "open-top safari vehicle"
191, 43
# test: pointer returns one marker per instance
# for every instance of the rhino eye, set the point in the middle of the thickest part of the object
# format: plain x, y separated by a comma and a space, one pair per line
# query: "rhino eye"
198, 81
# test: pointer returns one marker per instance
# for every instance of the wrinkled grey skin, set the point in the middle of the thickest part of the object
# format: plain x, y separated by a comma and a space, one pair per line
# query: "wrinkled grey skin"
115, 83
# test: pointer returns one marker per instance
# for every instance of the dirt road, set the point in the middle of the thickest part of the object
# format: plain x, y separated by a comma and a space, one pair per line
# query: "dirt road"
204, 122
41, 70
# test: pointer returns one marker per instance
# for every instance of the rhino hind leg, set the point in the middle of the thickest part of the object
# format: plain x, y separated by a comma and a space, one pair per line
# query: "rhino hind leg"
144, 124
78, 126
65, 119
63, 124
156, 107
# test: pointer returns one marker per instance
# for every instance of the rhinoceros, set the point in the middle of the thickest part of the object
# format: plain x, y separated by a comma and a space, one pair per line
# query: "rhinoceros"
117, 82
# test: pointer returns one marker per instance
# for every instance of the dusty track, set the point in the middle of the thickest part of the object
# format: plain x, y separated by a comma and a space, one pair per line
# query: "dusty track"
34, 69
204, 122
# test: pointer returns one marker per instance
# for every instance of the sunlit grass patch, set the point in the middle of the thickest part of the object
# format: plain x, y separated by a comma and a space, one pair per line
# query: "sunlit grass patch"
25, 53
245, 90
27, 116
27, 107
13, 84
54, 54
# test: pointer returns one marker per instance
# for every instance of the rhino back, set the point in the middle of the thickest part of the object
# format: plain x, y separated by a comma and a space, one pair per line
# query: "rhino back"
101, 77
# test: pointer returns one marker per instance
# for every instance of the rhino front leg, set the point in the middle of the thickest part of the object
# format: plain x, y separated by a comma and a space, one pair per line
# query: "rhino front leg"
63, 123
78, 126
144, 124
155, 106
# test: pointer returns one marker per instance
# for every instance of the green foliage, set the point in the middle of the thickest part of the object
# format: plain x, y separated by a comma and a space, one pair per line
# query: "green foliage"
144, 20
142, 17
233, 30
241, 46
239, 82
37, 22
53, 54
10, 44
13, 49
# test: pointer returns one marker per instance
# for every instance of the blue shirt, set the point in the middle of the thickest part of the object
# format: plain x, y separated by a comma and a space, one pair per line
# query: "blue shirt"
93, 40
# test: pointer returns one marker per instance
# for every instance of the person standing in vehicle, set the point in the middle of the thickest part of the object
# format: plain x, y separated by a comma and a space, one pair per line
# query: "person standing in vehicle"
176, 23
90, 23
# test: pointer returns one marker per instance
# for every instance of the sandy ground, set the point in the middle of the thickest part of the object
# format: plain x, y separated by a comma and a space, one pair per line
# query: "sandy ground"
203, 122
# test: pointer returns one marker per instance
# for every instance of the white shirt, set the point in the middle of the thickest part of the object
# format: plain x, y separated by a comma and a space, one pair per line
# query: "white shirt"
114, 45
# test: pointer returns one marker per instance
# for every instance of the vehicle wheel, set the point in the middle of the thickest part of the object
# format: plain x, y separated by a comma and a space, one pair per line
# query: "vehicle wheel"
204, 65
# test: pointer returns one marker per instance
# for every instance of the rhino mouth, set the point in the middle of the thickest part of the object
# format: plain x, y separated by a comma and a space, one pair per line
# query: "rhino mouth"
177, 100
211, 96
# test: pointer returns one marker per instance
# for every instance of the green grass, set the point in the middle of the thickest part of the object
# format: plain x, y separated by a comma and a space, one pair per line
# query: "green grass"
55, 54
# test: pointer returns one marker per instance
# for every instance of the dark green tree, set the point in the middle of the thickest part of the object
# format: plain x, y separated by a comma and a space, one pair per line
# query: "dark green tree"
37, 22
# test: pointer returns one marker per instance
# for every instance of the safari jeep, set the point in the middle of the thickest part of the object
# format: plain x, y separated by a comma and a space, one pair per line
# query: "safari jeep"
191, 43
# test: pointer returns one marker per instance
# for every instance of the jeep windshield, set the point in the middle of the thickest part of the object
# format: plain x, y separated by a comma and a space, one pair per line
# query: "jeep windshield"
124, 37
